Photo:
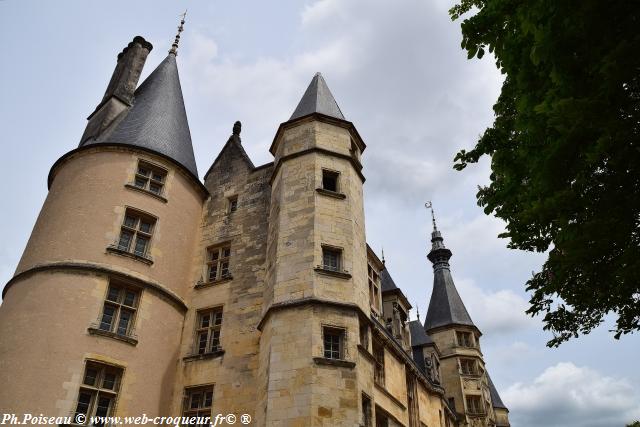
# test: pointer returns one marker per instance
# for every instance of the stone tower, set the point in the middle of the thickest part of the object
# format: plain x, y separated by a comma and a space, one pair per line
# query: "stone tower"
102, 253
463, 373
316, 269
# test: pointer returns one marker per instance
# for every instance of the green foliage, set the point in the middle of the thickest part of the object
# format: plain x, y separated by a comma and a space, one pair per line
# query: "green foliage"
565, 151
634, 424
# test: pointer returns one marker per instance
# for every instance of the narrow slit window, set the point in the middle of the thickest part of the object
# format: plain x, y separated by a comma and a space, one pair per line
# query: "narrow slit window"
232, 204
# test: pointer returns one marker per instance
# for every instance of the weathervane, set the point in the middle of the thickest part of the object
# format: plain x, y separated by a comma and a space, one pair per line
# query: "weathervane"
174, 46
429, 205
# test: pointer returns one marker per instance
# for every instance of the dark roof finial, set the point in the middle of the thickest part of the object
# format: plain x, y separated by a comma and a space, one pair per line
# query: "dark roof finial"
174, 46
429, 205
383, 261
237, 128
418, 312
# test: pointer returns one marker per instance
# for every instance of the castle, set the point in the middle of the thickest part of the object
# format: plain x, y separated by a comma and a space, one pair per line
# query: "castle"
143, 290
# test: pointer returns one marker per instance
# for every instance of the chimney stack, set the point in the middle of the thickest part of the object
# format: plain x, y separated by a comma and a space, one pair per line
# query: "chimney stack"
119, 94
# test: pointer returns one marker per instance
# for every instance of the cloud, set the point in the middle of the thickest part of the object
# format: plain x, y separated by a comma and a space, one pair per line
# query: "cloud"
494, 312
566, 395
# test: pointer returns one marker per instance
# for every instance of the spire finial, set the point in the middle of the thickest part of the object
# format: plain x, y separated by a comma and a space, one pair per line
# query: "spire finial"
429, 205
237, 127
418, 312
383, 261
174, 46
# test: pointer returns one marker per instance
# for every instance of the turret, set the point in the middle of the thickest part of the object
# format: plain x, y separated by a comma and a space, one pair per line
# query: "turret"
316, 290
99, 292
450, 326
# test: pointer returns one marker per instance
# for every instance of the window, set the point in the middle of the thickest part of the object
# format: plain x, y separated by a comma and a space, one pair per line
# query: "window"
378, 354
218, 262
333, 343
208, 330
98, 391
468, 366
331, 258
366, 411
364, 335
232, 204
150, 177
464, 339
197, 403
135, 233
119, 309
374, 287
330, 180
474, 404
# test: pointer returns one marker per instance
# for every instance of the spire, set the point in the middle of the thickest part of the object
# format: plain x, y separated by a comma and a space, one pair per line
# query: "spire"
174, 47
157, 121
418, 312
383, 261
317, 99
446, 306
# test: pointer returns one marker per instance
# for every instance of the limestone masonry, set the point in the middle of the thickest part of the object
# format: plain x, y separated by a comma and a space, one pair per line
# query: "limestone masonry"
143, 290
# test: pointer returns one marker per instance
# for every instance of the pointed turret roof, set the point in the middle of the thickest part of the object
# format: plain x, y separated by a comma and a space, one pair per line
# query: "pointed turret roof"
418, 336
157, 121
317, 99
495, 397
446, 306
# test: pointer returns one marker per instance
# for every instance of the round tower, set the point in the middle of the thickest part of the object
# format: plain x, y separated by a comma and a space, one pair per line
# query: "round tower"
98, 293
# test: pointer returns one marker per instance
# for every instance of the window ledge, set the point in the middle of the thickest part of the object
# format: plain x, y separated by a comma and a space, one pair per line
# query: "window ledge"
334, 362
124, 338
471, 375
145, 191
202, 284
209, 355
115, 250
330, 193
327, 272
476, 414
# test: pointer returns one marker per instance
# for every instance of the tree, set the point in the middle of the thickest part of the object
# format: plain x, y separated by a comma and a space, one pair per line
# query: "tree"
634, 424
565, 151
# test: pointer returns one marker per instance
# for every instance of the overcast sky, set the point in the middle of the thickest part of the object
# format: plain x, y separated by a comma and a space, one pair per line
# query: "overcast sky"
397, 71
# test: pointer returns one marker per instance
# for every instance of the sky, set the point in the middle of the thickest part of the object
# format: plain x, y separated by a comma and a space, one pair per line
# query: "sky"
398, 73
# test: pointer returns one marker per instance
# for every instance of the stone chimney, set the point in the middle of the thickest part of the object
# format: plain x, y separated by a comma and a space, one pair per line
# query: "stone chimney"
119, 94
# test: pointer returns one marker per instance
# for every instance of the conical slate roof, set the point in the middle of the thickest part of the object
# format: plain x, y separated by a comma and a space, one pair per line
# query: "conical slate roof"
317, 99
387, 283
446, 306
418, 336
495, 397
157, 121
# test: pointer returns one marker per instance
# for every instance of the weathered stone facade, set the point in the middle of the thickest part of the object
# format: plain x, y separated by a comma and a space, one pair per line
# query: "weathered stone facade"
253, 293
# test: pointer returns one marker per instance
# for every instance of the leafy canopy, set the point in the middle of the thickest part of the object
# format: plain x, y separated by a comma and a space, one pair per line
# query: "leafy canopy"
565, 151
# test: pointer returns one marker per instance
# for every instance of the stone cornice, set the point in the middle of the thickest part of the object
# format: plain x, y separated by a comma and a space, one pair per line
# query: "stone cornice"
97, 268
